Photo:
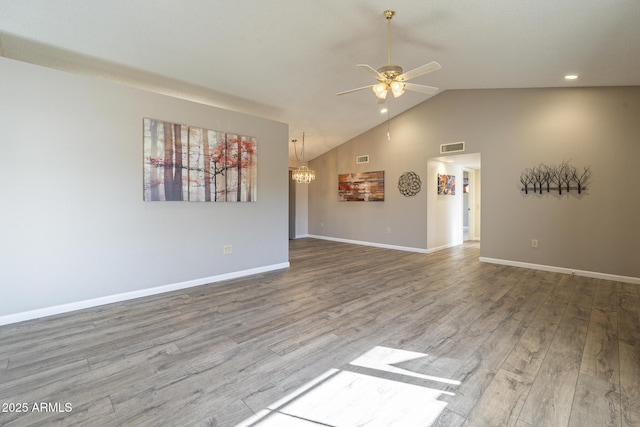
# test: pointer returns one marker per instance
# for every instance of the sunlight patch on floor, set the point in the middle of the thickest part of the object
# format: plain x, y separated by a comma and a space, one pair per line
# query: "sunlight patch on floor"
348, 398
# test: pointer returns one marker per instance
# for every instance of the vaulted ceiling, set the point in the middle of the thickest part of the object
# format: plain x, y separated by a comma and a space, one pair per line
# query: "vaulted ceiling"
286, 59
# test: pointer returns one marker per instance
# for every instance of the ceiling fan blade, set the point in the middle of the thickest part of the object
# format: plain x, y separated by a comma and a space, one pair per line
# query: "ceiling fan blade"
354, 90
423, 69
430, 90
369, 69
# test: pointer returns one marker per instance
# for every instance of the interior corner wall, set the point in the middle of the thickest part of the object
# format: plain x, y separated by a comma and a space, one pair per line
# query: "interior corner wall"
73, 223
512, 129
398, 221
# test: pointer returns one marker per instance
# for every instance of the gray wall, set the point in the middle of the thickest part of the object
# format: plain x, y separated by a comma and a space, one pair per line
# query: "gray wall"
404, 217
513, 130
302, 210
73, 224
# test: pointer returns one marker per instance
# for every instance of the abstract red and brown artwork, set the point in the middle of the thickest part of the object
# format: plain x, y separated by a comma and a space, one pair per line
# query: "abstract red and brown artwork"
361, 187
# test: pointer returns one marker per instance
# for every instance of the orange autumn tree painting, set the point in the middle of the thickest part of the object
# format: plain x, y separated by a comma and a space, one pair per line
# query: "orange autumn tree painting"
207, 165
241, 171
196, 164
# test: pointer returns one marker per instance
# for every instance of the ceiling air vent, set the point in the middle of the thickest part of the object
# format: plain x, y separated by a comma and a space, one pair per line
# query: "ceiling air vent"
454, 147
362, 159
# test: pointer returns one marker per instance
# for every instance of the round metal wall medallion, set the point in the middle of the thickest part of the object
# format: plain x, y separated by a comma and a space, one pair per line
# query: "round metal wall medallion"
409, 184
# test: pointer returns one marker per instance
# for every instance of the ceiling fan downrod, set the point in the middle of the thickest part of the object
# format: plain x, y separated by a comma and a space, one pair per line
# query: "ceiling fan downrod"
389, 14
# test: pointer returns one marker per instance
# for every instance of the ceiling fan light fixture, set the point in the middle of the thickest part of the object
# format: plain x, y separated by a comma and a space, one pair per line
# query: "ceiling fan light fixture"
392, 77
397, 88
381, 90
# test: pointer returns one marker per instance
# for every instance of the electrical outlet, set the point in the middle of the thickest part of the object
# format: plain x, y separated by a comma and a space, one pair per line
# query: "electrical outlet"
388, 230
227, 249
322, 224
534, 243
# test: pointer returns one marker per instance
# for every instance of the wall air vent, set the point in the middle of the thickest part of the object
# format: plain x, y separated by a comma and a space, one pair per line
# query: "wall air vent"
362, 159
454, 147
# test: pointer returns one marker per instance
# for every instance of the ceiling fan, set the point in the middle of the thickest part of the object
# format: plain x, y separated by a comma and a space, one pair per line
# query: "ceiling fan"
391, 77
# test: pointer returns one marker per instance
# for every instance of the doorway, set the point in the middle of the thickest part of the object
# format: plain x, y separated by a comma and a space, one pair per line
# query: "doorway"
471, 203
465, 205
451, 221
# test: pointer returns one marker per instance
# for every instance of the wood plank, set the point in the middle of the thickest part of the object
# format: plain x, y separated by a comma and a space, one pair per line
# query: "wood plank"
596, 403
502, 401
527, 356
600, 357
549, 401
628, 289
605, 297
630, 384
448, 419
629, 319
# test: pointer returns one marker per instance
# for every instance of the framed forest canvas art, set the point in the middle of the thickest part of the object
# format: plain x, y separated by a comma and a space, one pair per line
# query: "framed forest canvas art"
195, 164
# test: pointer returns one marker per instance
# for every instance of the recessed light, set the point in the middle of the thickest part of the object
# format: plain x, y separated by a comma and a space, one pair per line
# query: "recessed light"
384, 110
571, 77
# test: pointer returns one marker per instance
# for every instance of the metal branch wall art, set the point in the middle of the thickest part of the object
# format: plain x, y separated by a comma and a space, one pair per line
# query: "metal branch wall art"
562, 177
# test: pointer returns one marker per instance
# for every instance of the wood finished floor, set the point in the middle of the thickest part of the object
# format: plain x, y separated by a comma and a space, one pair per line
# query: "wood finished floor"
530, 348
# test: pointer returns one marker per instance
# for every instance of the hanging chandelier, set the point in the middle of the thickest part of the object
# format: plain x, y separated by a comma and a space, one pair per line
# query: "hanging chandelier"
302, 175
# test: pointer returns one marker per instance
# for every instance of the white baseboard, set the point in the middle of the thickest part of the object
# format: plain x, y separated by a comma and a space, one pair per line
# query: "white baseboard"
109, 299
443, 247
377, 245
563, 270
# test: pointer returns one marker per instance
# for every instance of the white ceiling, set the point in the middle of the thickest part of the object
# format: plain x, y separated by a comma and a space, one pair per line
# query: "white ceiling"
286, 59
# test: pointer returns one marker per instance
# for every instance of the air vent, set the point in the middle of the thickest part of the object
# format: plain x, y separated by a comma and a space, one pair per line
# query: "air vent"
362, 159
454, 147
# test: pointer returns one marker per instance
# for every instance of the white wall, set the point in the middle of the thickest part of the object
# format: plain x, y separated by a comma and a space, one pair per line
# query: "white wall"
73, 223
444, 212
476, 204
